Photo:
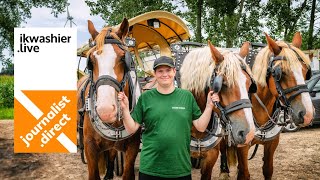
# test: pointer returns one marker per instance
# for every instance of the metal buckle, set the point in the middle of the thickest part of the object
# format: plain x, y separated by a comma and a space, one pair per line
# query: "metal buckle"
88, 104
198, 145
229, 132
117, 134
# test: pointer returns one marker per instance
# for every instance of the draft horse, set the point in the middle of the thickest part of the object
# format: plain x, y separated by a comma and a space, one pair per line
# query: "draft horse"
226, 73
103, 128
280, 70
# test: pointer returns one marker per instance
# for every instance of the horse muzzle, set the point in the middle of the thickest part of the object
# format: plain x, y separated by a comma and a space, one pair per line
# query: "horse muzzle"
107, 113
240, 132
302, 117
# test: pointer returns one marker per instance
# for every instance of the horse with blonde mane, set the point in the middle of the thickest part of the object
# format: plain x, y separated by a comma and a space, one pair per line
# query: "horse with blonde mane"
226, 73
280, 70
100, 111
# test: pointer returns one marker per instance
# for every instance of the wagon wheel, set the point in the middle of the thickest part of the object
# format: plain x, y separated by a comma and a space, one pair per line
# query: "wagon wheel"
196, 162
119, 163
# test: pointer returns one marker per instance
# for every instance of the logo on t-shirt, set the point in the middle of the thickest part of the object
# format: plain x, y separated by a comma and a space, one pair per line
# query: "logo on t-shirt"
178, 108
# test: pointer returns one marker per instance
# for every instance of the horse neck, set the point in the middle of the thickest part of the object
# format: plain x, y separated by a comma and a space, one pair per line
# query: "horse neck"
268, 100
201, 100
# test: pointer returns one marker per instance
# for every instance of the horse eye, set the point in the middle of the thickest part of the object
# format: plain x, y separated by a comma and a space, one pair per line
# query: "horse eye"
224, 85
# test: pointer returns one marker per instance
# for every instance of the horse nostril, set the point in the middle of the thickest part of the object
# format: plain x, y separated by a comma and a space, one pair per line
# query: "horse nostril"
301, 115
241, 134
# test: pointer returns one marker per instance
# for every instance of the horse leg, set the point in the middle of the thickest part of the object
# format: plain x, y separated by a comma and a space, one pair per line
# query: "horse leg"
110, 163
269, 149
243, 170
92, 156
208, 163
224, 170
130, 158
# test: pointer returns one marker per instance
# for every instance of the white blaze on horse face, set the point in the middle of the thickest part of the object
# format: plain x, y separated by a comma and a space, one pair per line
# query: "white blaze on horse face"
106, 105
305, 98
247, 111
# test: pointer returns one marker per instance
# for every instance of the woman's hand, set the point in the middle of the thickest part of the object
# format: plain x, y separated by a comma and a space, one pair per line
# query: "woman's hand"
123, 99
212, 97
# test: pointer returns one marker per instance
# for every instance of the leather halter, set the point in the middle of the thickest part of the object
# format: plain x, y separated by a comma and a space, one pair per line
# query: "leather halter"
281, 113
223, 125
106, 79
108, 131
298, 89
234, 106
219, 125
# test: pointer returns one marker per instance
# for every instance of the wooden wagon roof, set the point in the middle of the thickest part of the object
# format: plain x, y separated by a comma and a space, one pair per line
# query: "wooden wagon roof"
172, 29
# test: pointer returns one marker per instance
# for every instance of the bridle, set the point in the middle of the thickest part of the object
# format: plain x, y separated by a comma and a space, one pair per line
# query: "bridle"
275, 72
106, 79
282, 101
107, 130
234, 106
217, 129
282, 110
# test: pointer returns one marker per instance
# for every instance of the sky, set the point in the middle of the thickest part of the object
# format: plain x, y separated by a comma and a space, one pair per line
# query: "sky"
78, 9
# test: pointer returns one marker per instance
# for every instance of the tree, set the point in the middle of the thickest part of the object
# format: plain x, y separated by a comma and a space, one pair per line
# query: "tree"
250, 25
113, 11
230, 23
311, 25
8, 67
283, 17
195, 16
14, 12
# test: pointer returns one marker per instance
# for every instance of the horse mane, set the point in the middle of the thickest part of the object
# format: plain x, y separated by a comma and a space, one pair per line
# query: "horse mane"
100, 39
198, 66
260, 65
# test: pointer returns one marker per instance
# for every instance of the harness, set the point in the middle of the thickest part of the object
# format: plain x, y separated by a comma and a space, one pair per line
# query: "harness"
282, 110
234, 106
106, 130
220, 125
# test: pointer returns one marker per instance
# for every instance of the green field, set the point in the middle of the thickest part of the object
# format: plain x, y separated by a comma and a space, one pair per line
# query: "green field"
6, 113
6, 97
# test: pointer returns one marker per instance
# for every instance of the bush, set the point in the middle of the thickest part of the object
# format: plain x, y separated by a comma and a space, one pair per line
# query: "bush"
6, 113
6, 91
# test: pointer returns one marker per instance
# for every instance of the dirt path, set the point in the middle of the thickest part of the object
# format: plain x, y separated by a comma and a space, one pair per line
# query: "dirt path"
297, 157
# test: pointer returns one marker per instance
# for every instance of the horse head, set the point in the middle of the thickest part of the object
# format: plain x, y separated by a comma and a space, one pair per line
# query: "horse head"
285, 72
108, 69
225, 72
236, 83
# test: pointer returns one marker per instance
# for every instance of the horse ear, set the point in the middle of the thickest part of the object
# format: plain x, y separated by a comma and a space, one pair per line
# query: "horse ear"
216, 55
92, 30
311, 56
273, 46
297, 40
244, 51
124, 28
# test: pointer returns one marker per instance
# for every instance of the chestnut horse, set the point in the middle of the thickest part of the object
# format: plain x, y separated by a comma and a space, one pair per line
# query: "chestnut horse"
280, 70
227, 71
102, 126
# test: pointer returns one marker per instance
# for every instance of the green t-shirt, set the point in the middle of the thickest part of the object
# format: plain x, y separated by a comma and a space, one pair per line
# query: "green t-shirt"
166, 139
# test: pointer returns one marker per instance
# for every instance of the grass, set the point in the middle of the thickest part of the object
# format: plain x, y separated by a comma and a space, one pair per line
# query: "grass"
6, 97
6, 113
